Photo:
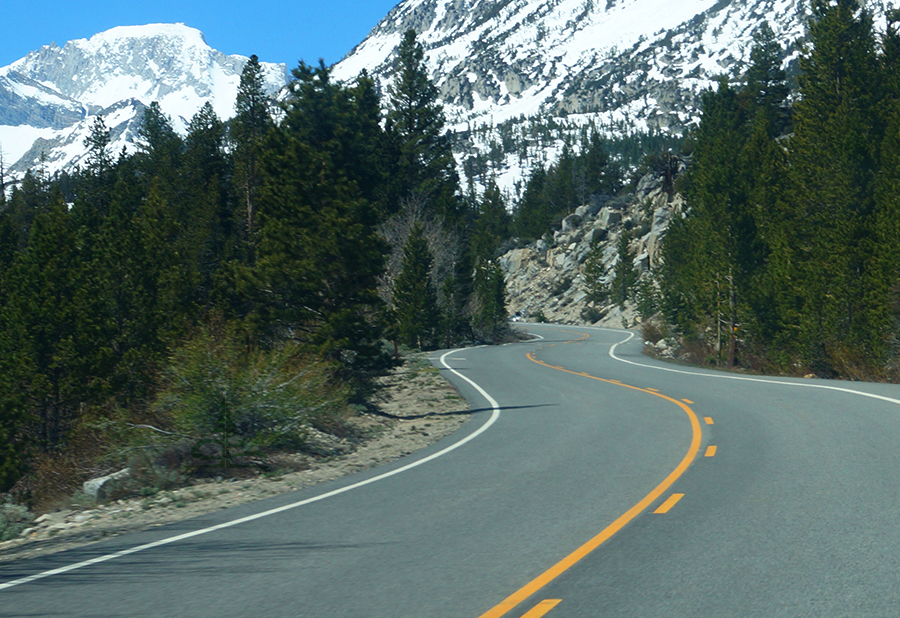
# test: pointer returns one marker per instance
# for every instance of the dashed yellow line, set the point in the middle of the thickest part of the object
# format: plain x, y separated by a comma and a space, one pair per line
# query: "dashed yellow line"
688, 401
710, 451
563, 565
708, 420
542, 608
666, 506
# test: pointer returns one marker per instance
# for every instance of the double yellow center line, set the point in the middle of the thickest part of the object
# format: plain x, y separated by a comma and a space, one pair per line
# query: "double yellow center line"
563, 565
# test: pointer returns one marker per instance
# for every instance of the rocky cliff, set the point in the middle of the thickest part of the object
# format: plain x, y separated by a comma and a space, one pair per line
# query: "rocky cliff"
546, 279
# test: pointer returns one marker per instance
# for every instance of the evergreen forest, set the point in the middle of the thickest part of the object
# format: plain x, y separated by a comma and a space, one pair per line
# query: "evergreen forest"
240, 283
786, 258
248, 280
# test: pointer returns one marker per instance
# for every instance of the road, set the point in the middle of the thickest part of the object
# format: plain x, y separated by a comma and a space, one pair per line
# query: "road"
590, 481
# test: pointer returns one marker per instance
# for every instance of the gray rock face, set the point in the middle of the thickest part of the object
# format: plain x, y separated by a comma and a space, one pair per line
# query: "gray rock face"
535, 275
45, 109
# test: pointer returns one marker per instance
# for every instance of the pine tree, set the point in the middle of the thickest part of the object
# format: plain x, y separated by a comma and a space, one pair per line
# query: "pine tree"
594, 275
702, 252
248, 128
46, 364
205, 217
159, 147
425, 165
490, 319
99, 159
833, 161
318, 253
624, 275
415, 299
766, 82
601, 177
491, 226
532, 216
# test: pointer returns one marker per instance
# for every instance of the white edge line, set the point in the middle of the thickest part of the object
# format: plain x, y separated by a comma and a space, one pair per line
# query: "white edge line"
716, 376
132, 550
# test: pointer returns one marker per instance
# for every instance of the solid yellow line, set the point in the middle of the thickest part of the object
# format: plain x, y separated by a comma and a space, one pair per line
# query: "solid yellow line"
666, 506
708, 420
652, 389
563, 565
710, 451
542, 608
688, 401
583, 336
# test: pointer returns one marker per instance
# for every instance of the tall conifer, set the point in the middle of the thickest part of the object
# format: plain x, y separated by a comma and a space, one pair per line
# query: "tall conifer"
426, 165
833, 158
248, 128
415, 299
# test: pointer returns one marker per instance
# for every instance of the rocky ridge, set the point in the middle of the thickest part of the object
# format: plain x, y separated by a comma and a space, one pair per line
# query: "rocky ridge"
624, 66
545, 279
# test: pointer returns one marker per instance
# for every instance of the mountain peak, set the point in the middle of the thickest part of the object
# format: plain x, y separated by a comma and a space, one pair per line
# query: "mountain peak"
187, 36
53, 93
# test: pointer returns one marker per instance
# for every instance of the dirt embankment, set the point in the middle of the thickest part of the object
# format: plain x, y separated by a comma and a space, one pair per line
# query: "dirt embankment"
415, 407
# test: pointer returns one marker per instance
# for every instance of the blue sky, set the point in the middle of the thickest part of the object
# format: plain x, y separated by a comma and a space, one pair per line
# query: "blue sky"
275, 31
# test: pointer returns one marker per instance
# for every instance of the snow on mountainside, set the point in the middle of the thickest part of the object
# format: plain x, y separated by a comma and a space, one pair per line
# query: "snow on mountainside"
626, 65
48, 100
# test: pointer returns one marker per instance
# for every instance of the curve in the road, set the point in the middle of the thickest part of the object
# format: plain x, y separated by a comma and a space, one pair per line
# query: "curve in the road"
604, 535
722, 376
495, 414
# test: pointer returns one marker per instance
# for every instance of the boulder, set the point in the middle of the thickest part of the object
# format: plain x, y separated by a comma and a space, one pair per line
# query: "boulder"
571, 223
598, 234
609, 217
103, 487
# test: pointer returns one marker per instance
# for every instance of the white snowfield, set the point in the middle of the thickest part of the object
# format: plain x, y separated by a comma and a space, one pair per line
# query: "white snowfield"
543, 45
623, 65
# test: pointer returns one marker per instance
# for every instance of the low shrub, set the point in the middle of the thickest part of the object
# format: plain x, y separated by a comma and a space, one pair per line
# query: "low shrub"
654, 330
14, 519
231, 400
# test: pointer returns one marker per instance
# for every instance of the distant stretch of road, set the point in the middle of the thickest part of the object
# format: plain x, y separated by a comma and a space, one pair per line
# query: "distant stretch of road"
590, 481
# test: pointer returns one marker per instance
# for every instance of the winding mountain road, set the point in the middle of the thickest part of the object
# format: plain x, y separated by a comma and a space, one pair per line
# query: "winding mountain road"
590, 481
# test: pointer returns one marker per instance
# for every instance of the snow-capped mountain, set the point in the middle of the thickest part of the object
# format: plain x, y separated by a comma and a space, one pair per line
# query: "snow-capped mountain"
626, 65
642, 61
48, 100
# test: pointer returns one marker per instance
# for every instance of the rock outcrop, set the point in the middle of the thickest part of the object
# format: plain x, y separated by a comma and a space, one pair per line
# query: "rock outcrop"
545, 279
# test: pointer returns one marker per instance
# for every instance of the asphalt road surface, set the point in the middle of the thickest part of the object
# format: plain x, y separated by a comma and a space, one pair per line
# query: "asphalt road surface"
590, 481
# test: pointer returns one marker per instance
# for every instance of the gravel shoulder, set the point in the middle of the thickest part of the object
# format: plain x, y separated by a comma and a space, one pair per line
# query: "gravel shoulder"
415, 407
